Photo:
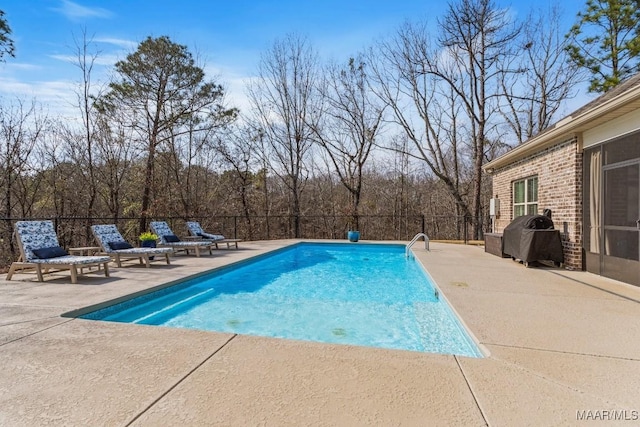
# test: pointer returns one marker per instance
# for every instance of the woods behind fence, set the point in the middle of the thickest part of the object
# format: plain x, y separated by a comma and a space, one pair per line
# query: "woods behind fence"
75, 231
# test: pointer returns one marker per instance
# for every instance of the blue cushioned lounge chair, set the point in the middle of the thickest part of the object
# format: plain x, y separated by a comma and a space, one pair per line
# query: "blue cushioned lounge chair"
195, 230
169, 239
114, 245
40, 249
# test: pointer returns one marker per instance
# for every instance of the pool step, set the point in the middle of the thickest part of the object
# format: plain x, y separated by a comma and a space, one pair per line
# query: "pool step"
147, 319
147, 304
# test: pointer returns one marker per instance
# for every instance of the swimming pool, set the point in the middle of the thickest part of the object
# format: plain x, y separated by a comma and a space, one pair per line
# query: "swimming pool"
359, 294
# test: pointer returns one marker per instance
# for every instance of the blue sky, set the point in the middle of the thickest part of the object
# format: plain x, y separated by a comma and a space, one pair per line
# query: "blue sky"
229, 36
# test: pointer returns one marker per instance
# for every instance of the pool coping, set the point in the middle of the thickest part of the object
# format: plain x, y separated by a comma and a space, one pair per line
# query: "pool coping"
562, 344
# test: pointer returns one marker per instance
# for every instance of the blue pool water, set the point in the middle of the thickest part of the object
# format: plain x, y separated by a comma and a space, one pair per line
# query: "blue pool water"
361, 294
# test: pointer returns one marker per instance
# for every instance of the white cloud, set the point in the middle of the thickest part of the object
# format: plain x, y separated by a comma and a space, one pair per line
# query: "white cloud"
236, 93
234, 82
19, 66
101, 59
75, 11
57, 97
125, 44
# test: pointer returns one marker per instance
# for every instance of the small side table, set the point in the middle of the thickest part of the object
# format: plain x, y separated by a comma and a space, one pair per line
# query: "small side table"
85, 250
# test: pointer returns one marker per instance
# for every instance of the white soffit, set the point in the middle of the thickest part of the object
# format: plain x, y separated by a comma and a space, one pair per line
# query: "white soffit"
615, 128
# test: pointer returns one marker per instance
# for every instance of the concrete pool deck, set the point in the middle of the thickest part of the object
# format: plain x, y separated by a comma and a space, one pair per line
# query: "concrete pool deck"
564, 349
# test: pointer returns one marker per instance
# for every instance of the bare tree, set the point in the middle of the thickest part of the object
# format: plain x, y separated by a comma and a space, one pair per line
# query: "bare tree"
22, 129
479, 37
238, 151
78, 141
349, 127
22, 126
117, 157
190, 154
286, 107
540, 79
85, 61
452, 90
426, 110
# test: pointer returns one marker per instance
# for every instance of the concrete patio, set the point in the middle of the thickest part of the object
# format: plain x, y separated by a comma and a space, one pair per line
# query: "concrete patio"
563, 349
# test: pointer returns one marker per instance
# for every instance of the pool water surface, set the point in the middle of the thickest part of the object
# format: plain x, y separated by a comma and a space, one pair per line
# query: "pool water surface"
358, 294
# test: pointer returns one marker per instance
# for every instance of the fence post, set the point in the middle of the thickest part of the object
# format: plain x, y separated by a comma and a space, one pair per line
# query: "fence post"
267, 221
235, 227
465, 227
423, 224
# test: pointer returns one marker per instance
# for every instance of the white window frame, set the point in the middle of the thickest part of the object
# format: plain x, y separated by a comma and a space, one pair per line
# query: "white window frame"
527, 204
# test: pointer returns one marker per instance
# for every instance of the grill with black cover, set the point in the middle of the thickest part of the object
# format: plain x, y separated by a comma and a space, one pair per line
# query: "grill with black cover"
532, 238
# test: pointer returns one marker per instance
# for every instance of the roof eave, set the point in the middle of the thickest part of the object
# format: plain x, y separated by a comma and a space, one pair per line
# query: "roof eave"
567, 128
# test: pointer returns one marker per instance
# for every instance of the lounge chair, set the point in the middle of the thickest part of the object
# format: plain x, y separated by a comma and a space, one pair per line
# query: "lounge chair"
40, 249
114, 245
195, 230
169, 239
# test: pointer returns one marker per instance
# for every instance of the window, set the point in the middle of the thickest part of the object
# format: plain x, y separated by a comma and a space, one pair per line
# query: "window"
525, 197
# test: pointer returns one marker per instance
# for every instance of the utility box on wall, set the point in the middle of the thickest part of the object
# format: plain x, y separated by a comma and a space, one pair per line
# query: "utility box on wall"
494, 207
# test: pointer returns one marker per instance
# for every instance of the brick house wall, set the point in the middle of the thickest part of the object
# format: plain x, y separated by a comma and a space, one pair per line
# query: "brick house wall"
559, 172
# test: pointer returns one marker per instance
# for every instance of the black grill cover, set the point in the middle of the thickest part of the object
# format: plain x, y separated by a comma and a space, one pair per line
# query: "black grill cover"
531, 222
532, 238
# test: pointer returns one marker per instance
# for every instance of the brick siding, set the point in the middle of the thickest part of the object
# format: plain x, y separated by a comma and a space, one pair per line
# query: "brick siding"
559, 172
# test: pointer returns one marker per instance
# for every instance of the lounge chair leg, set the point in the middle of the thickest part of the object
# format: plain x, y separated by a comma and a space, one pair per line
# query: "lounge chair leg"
12, 270
146, 260
118, 261
39, 273
74, 274
167, 256
106, 269
197, 251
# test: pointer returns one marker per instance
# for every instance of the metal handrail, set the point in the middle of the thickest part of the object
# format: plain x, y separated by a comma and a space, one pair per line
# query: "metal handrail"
415, 239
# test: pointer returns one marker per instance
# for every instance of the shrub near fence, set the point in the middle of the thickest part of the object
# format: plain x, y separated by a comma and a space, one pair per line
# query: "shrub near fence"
76, 231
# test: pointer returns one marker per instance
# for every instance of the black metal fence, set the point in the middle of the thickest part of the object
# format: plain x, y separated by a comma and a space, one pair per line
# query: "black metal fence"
76, 231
